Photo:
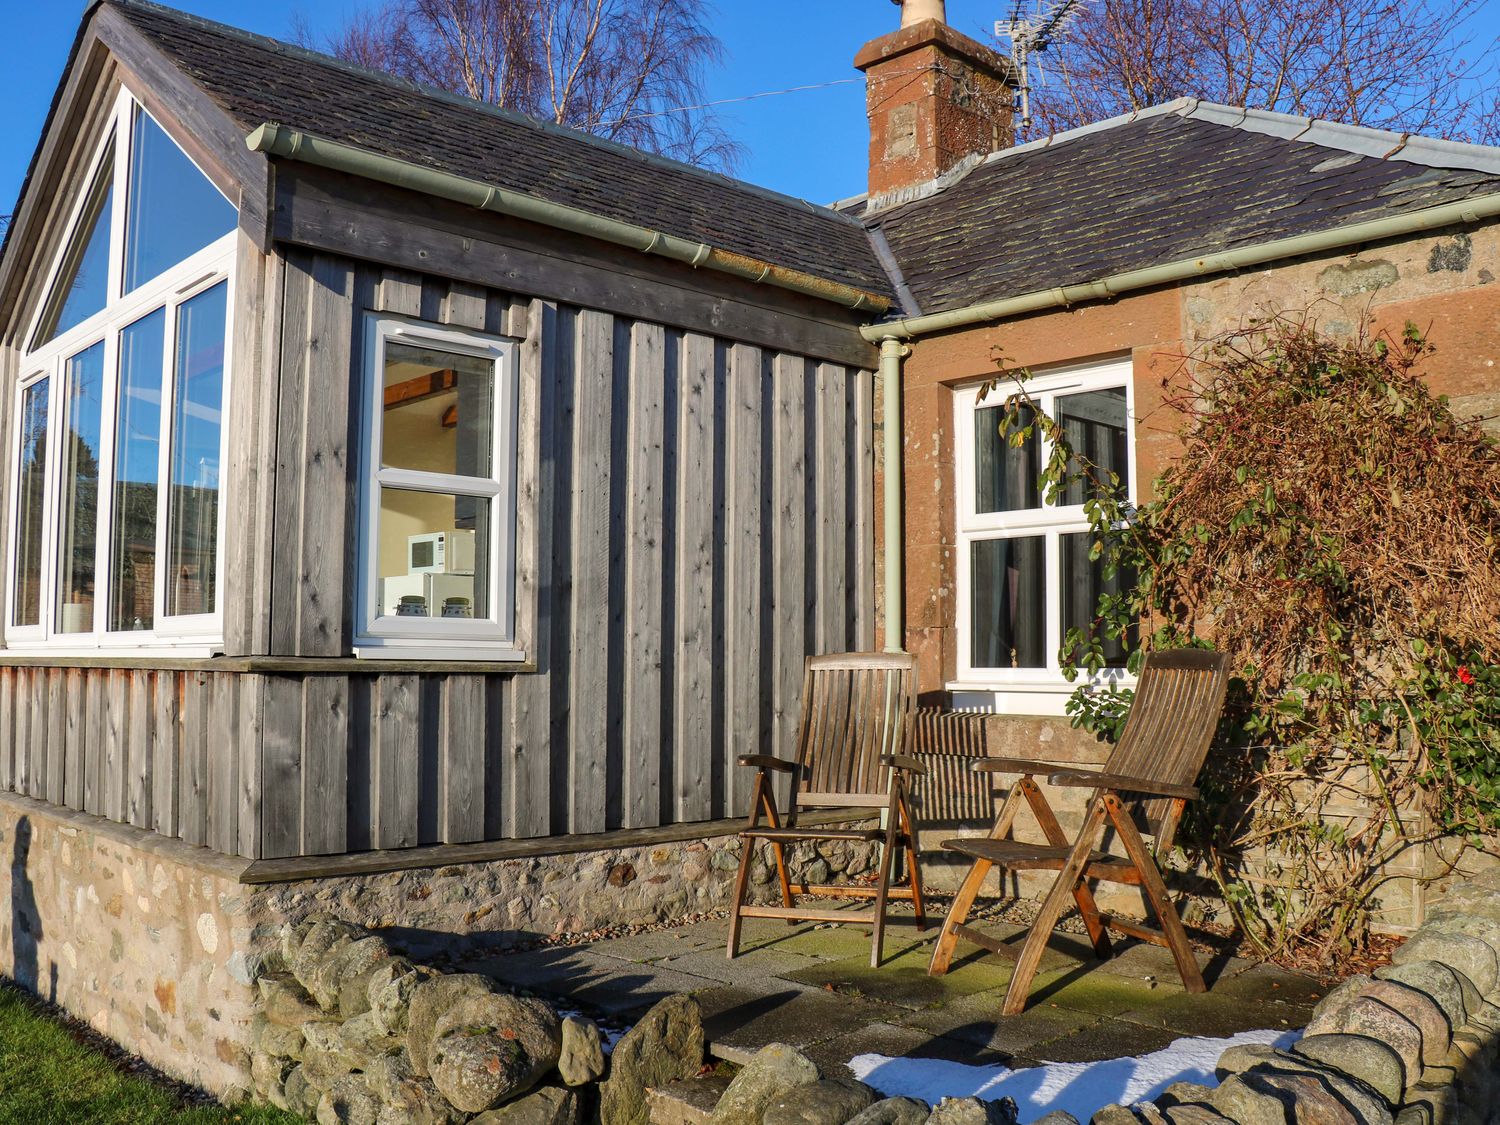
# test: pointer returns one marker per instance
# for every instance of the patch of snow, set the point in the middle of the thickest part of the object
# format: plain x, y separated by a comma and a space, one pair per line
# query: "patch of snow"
1079, 1088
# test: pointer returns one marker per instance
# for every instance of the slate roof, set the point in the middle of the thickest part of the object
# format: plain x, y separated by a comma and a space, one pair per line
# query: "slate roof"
257, 80
1184, 180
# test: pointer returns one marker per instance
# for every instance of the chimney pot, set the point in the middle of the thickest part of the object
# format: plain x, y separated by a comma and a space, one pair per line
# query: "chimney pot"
915, 11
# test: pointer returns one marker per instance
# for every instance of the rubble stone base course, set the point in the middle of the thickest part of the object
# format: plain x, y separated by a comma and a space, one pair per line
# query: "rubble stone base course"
159, 945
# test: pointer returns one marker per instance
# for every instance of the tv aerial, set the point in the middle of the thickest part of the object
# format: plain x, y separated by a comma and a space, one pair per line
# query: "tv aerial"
1031, 35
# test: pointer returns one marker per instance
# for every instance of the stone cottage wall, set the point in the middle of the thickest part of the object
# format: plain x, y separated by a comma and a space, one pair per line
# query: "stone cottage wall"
146, 940
157, 944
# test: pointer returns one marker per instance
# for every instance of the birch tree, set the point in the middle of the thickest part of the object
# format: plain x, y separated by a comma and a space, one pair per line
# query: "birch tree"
1420, 66
628, 70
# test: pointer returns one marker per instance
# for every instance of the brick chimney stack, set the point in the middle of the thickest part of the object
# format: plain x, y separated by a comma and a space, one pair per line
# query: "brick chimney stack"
934, 97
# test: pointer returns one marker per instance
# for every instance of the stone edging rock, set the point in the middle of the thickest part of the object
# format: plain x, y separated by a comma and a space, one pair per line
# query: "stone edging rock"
349, 1032
1416, 1044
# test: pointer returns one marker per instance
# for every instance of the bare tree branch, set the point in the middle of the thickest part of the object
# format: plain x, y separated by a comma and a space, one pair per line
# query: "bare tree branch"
621, 69
1419, 66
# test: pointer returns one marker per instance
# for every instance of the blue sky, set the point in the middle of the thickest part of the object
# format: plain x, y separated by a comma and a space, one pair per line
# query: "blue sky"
810, 144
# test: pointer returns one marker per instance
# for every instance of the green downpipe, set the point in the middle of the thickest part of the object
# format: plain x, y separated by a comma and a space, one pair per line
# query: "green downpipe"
892, 351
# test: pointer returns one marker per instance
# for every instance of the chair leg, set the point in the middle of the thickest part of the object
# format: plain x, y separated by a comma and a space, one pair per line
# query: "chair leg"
914, 858
963, 901
958, 913
1052, 908
1082, 895
742, 878
1156, 891
773, 818
887, 861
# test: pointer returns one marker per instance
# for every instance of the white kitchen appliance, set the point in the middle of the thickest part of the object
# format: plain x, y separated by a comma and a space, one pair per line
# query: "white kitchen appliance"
440, 552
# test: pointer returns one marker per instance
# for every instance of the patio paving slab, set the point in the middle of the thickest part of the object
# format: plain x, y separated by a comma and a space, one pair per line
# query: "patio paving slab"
902, 980
894, 1041
738, 1021
750, 968
1104, 1039
975, 1021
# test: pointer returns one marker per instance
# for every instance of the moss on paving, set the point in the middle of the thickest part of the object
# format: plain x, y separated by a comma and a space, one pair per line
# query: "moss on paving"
48, 1076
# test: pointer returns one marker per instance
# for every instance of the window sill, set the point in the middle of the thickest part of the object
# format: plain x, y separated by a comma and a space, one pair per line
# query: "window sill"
1037, 695
22, 652
454, 653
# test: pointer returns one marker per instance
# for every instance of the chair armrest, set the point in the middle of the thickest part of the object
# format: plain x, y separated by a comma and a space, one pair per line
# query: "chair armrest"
1016, 765
768, 762
903, 762
1088, 779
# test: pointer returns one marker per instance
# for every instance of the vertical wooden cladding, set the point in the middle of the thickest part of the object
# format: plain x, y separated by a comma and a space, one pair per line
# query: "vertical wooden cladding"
161, 750
694, 516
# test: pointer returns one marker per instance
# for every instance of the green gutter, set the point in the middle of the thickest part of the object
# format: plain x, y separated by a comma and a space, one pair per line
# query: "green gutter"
276, 140
1467, 211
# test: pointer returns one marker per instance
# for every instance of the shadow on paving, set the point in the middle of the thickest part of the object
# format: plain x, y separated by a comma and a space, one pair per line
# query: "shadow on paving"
811, 986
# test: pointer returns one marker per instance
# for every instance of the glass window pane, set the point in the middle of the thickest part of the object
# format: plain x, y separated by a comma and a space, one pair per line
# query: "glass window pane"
1097, 429
1009, 603
433, 555
197, 421
1082, 583
31, 490
437, 411
172, 211
78, 515
82, 287
137, 470
1006, 479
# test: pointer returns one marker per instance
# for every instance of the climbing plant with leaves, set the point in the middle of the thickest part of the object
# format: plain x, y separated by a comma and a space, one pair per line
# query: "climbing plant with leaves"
1334, 527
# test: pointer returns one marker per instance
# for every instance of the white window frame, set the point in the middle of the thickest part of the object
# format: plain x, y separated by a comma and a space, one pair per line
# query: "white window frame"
183, 635
1035, 691
379, 636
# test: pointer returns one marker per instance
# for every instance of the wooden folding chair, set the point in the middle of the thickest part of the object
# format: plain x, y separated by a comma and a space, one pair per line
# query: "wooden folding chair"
1149, 778
856, 722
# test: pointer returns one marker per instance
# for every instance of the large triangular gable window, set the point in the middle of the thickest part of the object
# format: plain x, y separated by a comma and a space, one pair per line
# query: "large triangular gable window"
82, 286
115, 537
173, 211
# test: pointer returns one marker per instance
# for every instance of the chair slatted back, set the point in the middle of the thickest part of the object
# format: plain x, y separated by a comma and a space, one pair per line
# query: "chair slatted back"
1170, 727
856, 706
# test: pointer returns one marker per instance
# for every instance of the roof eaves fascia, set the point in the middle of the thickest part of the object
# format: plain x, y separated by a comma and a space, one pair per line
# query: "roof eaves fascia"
410, 87
1475, 209
276, 140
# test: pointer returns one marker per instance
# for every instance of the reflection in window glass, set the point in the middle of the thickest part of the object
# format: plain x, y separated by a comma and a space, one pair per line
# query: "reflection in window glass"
1006, 479
31, 494
1009, 624
433, 555
197, 421
78, 516
82, 287
1082, 583
437, 412
172, 210
137, 470
1095, 424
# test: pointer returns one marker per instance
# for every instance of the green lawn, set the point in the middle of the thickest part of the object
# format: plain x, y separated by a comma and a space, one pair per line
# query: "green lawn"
48, 1077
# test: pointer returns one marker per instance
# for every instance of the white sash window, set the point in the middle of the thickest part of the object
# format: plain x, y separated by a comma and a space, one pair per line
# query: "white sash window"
1023, 570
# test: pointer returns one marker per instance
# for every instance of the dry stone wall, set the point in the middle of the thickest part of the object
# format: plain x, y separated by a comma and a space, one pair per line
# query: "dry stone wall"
1417, 1043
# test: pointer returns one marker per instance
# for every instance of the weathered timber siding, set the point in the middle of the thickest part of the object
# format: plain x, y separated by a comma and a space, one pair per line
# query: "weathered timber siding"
694, 516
